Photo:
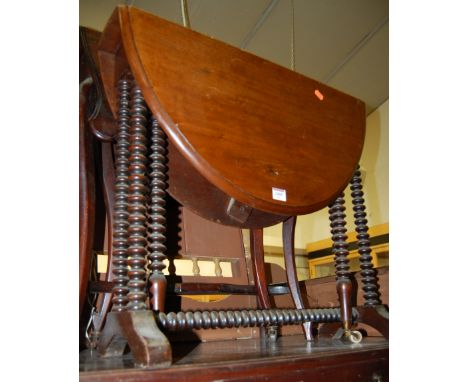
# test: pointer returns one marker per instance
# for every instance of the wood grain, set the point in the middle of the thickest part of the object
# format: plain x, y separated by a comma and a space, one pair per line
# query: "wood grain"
290, 359
258, 268
244, 123
191, 189
290, 263
87, 198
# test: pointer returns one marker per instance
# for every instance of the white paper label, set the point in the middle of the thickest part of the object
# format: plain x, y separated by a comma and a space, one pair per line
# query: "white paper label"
278, 194
101, 263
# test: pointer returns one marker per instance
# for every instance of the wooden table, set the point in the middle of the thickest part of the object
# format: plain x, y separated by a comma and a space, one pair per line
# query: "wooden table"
250, 142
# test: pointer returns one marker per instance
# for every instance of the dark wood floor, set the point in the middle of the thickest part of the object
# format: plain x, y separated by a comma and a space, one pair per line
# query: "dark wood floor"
291, 358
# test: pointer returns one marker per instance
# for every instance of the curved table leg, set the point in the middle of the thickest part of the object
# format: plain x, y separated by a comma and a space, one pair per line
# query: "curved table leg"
288, 243
261, 287
104, 303
258, 267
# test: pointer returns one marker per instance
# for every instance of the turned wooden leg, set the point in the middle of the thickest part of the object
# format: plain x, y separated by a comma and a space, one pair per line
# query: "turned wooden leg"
370, 284
157, 217
288, 243
131, 322
343, 288
343, 282
120, 223
373, 313
137, 202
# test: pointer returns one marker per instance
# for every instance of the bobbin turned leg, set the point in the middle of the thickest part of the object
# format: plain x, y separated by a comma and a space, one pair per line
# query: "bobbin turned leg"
343, 281
258, 268
132, 323
111, 341
157, 217
291, 273
373, 313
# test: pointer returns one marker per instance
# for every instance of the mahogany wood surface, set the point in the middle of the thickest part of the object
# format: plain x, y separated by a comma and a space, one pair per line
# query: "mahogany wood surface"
138, 329
258, 268
87, 197
321, 292
290, 264
344, 289
99, 129
103, 304
193, 190
244, 123
289, 359
87, 175
375, 316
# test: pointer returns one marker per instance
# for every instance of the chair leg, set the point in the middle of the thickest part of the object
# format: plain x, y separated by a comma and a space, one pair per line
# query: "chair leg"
258, 267
288, 243
104, 302
87, 210
87, 198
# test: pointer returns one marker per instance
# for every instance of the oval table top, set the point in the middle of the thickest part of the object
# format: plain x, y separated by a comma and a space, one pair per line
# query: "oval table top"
267, 136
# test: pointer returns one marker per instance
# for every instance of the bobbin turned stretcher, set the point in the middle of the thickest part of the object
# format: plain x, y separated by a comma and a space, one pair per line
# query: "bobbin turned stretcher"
249, 144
